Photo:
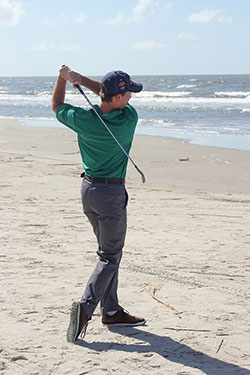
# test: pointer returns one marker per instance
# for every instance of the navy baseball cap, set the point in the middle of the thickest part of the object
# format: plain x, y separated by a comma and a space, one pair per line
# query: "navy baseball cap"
117, 82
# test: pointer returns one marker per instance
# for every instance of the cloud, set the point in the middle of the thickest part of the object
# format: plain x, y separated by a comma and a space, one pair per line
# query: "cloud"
137, 14
189, 36
117, 20
140, 9
10, 12
43, 46
69, 47
162, 12
148, 44
209, 15
204, 16
225, 19
79, 18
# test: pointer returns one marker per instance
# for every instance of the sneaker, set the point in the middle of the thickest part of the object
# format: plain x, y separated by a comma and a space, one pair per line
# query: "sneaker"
121, 318
78, 322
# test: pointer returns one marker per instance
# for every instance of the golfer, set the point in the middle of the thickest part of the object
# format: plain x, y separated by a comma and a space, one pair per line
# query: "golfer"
104, 197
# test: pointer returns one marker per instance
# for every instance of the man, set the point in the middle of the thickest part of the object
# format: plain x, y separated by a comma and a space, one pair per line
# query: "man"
104, 197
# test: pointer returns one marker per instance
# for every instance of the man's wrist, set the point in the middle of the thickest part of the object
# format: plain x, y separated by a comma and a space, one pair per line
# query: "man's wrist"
61, 78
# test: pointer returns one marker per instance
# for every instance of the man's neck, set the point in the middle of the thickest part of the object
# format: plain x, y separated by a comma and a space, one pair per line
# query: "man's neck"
106, 107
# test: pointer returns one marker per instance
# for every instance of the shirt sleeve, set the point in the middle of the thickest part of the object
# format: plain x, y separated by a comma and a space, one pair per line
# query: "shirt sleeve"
132, 111
66, 115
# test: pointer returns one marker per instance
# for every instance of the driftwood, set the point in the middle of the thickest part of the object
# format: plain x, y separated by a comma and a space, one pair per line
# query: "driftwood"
151, 290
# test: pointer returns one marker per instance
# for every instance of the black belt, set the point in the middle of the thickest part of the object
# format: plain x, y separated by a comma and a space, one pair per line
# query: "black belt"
103, 180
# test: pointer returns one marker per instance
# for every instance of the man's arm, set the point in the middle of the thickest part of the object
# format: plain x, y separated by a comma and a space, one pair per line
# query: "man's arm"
59, 93
65, 74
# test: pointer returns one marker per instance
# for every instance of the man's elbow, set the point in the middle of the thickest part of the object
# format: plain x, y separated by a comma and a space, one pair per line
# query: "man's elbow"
54, 106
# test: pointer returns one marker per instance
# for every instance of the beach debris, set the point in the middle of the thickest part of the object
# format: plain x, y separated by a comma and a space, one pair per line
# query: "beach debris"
186, 329
219, 346
184, 159
152, 290
19, 358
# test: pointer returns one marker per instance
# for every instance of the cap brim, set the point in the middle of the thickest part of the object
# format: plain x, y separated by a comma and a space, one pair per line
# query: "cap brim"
135, 87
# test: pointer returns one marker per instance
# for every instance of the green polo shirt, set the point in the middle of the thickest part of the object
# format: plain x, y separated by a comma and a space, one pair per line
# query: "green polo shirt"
101, 155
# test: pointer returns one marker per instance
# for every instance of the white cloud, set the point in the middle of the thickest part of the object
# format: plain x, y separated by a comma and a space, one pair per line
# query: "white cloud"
189, 36
138, 12
148, 44
117, 20
204, 16
10, 12
43, 46
140, 9
225, 19
162, 12
68, 47
79, 18
209, 15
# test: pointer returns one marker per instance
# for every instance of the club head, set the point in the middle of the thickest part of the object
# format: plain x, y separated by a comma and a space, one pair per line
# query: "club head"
143, 177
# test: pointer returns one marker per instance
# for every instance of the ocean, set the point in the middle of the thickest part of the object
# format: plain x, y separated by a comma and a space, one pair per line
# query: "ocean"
210, 110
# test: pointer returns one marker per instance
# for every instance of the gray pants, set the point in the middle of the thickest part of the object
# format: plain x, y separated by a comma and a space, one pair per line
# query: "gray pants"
105, 207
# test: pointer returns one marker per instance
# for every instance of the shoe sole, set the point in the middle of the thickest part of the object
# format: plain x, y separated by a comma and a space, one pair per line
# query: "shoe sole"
74, 322
126, 324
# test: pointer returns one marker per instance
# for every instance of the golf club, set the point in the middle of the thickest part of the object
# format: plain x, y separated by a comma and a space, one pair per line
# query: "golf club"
110, 132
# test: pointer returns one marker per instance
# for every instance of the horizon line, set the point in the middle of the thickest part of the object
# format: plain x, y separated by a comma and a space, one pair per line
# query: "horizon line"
132, 74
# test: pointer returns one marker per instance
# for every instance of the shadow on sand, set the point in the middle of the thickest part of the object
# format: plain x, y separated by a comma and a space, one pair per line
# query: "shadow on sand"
169, 349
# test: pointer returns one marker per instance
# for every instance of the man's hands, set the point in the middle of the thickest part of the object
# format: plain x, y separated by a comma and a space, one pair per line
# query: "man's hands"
66, 74
73, 77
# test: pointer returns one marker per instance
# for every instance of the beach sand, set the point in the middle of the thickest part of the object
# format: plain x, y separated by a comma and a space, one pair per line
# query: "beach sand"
185, 266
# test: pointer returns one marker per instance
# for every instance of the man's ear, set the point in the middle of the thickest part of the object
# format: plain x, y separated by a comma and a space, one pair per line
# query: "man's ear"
118, 97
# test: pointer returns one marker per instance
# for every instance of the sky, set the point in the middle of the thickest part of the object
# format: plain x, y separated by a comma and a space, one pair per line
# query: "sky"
141, 37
